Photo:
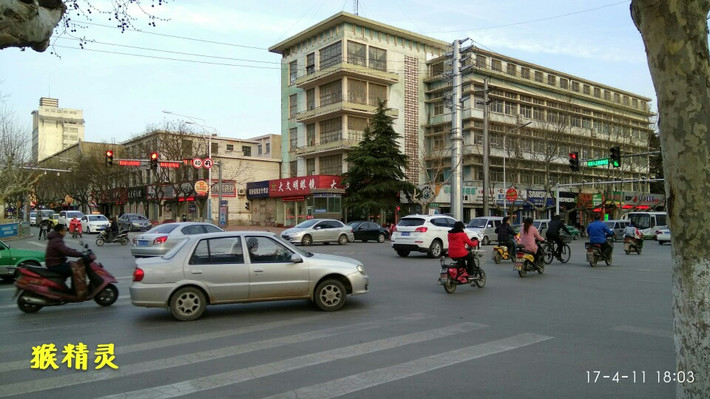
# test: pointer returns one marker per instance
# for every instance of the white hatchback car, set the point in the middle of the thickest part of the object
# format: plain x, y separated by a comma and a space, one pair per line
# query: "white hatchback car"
425, 233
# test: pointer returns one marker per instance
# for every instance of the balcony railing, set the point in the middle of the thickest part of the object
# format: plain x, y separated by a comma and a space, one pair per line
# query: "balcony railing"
373, 73
330, 146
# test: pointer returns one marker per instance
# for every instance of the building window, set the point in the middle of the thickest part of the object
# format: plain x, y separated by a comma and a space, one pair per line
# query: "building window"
564, 83
607, 95
355, 128
511, 108
268, 148
357, 53
617, 97
437, 69
575, 86
331, 130
311, 134
246, 150
292, 72
230, 147
511, 69
258, 149
438, 109
538, 76
496, 65
526, 111
597, 92
552, 80
377, 93
310, 63
357, 91
480, 62
292, 138
293, 169
525, 73
292, 105
331, 165
496, 106
586, 89
538, 114
331, 93
331, 55
378, 59
310, 166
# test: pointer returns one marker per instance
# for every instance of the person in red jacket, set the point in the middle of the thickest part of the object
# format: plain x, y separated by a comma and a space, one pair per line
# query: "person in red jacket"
457, 246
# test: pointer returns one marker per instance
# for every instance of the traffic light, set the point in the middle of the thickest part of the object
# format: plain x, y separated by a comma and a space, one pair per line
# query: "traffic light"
154, 160
574, 161
109, 158
615, 156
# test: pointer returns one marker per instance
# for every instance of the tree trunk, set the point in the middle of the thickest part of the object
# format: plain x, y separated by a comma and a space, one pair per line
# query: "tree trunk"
675, 36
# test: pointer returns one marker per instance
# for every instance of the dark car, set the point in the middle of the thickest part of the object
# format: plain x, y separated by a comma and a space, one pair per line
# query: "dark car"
133, 222
366, 231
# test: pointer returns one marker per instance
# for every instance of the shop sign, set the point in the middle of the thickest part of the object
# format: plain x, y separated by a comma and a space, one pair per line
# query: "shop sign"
259, 189
303, 185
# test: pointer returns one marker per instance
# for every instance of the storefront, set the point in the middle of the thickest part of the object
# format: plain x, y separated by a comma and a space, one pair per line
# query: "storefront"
287, 202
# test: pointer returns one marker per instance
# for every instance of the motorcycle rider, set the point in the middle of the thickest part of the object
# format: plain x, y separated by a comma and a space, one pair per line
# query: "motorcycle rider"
112, 230
598, 231
57, 252
506, 236
457, 246
75, 225
553, 233
633, 233
529, 235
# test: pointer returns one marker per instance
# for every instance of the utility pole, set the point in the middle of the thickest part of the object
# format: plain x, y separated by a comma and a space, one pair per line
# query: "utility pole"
486, 148
456, 137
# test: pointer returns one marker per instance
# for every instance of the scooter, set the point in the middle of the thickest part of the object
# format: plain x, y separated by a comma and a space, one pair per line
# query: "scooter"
525, 262
103, 238
454, 273
38, 287
75, 230
500, 253
594, 253
632, 244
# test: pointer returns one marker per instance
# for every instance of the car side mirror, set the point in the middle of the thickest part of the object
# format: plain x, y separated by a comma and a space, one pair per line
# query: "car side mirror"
296, 258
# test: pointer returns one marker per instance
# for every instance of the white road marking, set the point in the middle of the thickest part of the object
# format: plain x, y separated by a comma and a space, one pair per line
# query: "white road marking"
646, 331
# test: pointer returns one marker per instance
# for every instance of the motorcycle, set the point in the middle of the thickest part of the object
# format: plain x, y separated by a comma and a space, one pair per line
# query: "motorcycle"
103, 238
594, 253
75, 229
454, 273
525, 262
38, 287
632, 244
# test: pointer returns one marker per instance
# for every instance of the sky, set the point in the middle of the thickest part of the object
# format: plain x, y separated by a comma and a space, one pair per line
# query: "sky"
209, 61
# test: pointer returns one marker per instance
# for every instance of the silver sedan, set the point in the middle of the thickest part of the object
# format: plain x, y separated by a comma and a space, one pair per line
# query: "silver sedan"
160, 239
243, 266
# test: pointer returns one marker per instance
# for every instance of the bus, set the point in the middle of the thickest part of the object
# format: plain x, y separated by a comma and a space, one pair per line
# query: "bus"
647, 222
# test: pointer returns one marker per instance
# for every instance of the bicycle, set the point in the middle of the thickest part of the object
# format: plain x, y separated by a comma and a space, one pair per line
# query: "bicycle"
550, 250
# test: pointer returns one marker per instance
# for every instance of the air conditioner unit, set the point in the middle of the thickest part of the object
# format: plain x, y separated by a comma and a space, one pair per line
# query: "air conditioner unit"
242, 191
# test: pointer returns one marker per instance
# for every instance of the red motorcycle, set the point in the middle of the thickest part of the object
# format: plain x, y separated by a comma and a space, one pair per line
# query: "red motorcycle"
454, 273
38, 287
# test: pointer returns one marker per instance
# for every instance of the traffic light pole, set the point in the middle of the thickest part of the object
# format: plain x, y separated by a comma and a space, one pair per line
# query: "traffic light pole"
557, 187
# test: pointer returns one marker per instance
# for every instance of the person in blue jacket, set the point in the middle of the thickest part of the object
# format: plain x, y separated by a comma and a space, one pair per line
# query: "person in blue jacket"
598, 231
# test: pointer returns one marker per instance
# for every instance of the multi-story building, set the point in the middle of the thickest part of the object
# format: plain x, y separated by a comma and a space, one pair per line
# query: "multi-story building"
335, 72
54, 128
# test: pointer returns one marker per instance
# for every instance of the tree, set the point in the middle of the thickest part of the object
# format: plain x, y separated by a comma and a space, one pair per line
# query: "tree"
30, 23
16, 181
675, 34
376, 166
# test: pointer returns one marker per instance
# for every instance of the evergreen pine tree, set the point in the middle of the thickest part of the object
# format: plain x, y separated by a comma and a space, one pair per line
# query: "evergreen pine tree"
376, 166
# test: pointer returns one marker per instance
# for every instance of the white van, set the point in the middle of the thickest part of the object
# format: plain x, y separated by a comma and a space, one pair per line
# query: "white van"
66, 216
486, 227
646, 222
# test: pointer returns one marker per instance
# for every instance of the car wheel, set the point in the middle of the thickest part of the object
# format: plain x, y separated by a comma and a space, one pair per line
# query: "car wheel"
435, 249
343, 239
330, 295
381, 238
403, 253
306, 240
485, 241
187, 304
107, 296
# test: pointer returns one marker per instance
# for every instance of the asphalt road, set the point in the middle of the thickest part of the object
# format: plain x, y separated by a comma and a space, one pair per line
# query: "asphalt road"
564, 334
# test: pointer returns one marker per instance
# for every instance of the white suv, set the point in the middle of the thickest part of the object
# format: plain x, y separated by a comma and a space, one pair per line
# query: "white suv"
425, 233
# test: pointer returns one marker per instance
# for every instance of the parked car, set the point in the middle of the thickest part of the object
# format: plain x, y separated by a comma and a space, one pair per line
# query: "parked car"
663, 235
319, 230
243, 266
34, 221
425, 233
66, 216
133, 222
94, 223
617, 226
366, 231
574, 232
11, 257
160, 239
541, 225
486, 227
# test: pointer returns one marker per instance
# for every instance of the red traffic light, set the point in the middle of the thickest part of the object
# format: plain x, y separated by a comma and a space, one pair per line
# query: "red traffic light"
573, 155
153, 156
109, 153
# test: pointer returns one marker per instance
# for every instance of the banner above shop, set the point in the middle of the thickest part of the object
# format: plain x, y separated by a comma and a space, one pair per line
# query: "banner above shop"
294, 186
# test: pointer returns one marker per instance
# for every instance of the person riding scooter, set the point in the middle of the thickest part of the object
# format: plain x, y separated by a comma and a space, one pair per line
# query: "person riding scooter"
457, 246
633, 233
529, 237
598, 231
57, 252
75, 226
506, 236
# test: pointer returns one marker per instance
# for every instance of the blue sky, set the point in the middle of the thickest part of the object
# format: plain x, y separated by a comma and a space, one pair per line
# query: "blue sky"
234, 87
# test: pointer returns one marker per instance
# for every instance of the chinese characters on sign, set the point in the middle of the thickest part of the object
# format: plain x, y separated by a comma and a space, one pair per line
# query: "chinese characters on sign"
75, 356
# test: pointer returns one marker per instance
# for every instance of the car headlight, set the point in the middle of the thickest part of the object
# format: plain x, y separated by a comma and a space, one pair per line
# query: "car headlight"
361, 269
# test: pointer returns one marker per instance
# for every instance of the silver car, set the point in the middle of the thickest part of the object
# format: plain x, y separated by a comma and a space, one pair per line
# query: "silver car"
242, 266
160, 239
133, 222
319, 230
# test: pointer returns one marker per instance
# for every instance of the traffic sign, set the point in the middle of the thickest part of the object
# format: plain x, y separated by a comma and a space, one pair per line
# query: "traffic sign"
201, 187
597, 162
207, 163
197, 163
511, 195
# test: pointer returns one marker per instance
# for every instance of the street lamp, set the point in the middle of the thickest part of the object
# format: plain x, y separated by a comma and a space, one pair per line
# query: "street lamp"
505, 156
208, 214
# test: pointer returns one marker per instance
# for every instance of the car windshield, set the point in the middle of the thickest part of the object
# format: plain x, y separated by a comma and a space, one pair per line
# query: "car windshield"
98, 218
354, 225
479, 223
410, 222
163, 229
307, 223
137, 217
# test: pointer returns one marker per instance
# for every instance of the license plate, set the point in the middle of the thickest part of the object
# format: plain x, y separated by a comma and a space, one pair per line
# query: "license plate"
405, 234
518, 266
142, 243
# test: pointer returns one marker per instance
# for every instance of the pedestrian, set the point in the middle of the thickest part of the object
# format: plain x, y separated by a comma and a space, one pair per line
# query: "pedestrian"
184, 218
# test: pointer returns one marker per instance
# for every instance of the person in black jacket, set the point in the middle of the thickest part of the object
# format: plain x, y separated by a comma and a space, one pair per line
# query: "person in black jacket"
553, 233
506, 236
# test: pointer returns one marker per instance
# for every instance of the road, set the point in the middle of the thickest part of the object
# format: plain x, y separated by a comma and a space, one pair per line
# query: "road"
563, 334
